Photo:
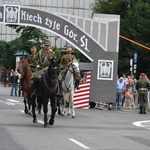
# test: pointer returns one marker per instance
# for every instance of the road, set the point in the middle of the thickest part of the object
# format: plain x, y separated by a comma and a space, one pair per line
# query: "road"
92, 129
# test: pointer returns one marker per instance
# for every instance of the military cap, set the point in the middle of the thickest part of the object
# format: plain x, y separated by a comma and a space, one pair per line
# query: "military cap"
33, 49
143, 75
47, 42
69, 49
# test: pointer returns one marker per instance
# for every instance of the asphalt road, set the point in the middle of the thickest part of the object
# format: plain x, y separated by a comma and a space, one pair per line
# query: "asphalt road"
92, 129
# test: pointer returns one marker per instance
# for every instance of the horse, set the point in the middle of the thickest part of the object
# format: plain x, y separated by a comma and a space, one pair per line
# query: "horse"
48, 89
25, 70
68, 86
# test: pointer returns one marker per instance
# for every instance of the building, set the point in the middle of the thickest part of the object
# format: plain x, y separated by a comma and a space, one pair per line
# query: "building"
81, 8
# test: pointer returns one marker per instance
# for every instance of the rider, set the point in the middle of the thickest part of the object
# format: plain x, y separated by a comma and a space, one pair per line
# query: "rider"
30, 61
65, 60
31, 57
42, 60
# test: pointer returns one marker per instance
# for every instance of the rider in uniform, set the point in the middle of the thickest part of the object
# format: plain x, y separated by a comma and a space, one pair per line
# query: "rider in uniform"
42, 60
142, 87
65, 60
31, 57
30, 61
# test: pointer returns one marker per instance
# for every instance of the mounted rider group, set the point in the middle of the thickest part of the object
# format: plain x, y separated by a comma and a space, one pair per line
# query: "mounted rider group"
40, 61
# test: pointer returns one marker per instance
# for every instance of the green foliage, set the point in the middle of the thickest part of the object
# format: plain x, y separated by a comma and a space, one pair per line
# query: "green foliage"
134, 24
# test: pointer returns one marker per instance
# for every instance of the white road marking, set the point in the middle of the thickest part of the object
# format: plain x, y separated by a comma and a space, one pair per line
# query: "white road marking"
78, 143
140, 123
13, 100
8, 103
39, 121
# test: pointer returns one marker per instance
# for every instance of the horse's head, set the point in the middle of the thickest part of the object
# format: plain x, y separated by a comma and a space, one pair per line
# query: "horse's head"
74, 68
23, 65
53, 69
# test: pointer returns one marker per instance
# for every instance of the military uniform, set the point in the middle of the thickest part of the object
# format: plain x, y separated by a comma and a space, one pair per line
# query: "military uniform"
142, 87
42, 60
66, 59
30, 59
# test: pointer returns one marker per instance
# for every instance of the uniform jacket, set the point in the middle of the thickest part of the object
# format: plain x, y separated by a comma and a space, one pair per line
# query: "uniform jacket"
142, 83
30, 58
43, 58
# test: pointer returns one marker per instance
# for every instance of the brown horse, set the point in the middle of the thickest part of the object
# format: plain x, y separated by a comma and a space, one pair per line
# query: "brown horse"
25, 70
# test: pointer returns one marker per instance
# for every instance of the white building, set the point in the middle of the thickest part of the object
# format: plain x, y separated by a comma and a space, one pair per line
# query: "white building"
81, 8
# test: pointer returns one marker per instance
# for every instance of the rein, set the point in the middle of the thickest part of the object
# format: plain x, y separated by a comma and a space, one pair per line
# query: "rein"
73, 72
46, 74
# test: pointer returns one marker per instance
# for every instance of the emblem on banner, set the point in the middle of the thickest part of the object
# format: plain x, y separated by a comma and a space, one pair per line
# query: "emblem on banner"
105, 69
11, 14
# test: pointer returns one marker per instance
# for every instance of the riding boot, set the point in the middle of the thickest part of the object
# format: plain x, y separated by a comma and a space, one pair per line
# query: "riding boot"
77, 84
144, 111
34, 88
141, 111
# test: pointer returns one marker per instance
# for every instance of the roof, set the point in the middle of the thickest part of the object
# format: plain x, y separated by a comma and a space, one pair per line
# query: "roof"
85, 66
21, 53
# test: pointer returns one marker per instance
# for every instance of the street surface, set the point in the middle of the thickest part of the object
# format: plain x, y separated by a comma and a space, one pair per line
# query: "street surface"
92, 129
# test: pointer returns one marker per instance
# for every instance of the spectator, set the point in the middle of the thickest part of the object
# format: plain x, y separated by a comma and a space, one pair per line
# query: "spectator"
14, 82
130, 89
120, 89
142, 87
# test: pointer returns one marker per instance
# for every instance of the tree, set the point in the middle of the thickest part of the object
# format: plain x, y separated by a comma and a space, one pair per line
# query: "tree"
135, 25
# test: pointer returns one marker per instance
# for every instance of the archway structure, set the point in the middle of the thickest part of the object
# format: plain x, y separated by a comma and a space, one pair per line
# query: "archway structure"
96, 38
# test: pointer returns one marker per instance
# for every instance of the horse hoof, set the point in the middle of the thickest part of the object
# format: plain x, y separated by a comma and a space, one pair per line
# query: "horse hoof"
45, 125
39, 112
62, 114
59, 112
73, 116
34, 120
26, 111
51, 122
68, 114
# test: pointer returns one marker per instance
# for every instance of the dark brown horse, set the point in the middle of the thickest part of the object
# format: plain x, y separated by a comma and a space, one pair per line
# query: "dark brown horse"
47, 89
25, 71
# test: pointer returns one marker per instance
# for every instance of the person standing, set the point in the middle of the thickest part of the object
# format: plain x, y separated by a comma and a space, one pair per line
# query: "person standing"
129, 92
14, 82
142, 87
120, 89
42, 60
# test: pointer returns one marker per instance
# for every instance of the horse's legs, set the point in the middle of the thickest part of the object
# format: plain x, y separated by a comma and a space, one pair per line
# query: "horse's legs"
59, 103
71, 106
63, 106
45, 110
33, 109
39, 104
53, 104
25, 104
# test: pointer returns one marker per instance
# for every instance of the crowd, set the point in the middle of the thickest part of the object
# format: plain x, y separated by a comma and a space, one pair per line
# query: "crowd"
132, 93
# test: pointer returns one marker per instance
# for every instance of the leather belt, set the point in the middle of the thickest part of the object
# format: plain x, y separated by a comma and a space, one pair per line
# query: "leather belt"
143, 89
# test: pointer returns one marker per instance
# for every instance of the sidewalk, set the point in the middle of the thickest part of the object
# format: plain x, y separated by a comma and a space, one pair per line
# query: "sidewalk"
4, 90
